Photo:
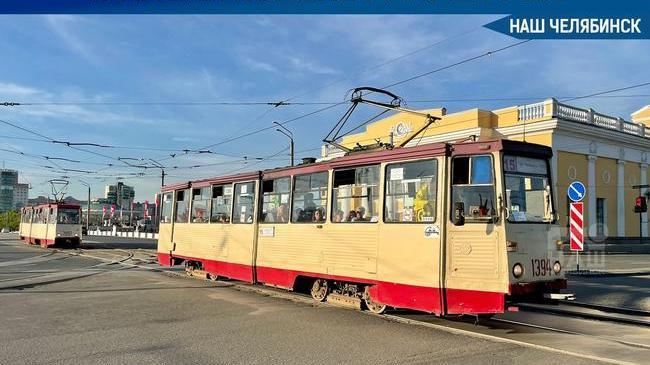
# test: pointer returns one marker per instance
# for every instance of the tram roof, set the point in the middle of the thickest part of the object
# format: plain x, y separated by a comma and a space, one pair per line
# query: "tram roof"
372, 157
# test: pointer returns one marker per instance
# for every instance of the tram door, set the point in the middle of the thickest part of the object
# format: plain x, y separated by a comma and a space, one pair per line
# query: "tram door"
473, 279
409, 247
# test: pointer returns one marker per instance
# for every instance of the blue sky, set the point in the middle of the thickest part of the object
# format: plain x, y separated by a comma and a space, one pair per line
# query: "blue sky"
130, 59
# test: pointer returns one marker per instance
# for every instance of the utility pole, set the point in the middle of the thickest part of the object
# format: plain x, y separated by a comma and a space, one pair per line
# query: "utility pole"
87, 206
282, 129
156, 219
162, 171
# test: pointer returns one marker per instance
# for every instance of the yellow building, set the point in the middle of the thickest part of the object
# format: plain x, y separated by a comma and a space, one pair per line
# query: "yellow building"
608, 154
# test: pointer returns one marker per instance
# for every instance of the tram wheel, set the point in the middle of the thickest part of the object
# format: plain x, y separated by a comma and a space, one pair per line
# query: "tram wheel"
213, 277
189, 270
373, 306
319, 290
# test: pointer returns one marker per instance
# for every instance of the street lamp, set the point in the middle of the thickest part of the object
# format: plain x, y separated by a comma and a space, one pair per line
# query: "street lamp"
282, 129
87, 206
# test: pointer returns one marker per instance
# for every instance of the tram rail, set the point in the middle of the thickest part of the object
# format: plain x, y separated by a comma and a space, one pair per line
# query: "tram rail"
596, 312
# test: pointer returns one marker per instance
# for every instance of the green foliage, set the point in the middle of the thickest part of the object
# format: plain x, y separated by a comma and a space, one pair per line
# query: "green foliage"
10, 219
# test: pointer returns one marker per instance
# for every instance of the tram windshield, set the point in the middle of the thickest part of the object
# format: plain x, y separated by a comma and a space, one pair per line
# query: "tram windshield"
528, 191
68, 216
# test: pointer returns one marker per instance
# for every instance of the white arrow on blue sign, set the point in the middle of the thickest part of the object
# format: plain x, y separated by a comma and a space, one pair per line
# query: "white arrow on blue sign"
576, 191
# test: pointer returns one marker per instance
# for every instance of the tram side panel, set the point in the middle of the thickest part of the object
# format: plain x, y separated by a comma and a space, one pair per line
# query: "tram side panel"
223, 249
165, 245
38, 234
346, 252
410, 237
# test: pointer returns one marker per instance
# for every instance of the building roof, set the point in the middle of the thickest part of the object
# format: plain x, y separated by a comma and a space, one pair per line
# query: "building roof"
642, 115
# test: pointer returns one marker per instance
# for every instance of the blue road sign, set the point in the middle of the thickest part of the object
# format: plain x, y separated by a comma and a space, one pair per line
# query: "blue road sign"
576, 191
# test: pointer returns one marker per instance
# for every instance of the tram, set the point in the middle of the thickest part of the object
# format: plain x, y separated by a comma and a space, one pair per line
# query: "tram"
51, 224
449, 229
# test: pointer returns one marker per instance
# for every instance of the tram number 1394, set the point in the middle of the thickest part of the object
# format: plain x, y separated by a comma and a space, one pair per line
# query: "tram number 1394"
541, 267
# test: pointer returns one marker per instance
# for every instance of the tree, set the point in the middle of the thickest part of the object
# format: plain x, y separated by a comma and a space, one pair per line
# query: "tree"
11, 219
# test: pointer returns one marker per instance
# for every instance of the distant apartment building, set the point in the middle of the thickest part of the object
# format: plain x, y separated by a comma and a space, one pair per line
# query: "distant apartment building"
8, 182
21, 194
119, 194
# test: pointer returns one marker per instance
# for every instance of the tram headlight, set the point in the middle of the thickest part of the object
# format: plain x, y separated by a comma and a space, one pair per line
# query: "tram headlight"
559, 244
517, 270
557, 267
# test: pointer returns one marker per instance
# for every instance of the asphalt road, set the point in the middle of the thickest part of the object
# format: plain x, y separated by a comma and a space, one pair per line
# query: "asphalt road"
64, 308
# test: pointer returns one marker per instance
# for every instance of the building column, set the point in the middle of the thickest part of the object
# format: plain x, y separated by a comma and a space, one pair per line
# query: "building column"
620, 199
644, 216
591, 195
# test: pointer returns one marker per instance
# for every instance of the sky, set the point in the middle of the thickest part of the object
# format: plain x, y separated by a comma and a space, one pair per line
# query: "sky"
140, 85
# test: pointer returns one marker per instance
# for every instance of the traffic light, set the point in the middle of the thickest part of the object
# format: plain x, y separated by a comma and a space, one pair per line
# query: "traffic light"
641, 206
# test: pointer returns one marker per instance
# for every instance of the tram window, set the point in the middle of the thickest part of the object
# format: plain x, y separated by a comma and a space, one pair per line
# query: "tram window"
200, 205
309, 196
182, 206
67, 216
356, 195
411, 192
528, 192
51, 218
244, 203
221, 202
275, 200
167, 205
473, 185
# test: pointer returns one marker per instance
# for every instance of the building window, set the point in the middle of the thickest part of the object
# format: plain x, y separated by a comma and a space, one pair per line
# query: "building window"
200, 205
411, 192
244, 203
221, 203
182, 206
275, 200
309, 198
356, 195
167, 205
473, 185
601, 216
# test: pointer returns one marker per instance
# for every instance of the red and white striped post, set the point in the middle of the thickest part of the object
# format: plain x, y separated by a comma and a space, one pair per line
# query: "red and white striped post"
576, 231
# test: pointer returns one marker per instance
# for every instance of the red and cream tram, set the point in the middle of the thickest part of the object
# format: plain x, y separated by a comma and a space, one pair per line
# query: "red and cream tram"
464, 228
51, 224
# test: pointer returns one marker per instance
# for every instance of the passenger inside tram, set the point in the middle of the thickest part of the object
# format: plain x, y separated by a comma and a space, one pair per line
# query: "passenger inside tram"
339, 216
281, 214
318, 215
361, 213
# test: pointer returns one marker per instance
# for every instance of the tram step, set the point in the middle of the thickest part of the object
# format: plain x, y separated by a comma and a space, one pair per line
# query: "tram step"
341, 300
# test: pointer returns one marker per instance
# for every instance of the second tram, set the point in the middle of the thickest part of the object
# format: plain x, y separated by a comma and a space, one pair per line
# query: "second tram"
51, 224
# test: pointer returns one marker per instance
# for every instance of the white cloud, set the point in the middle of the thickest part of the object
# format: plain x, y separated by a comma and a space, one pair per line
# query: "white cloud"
14, 90
303, 65
64, 27
256, 65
